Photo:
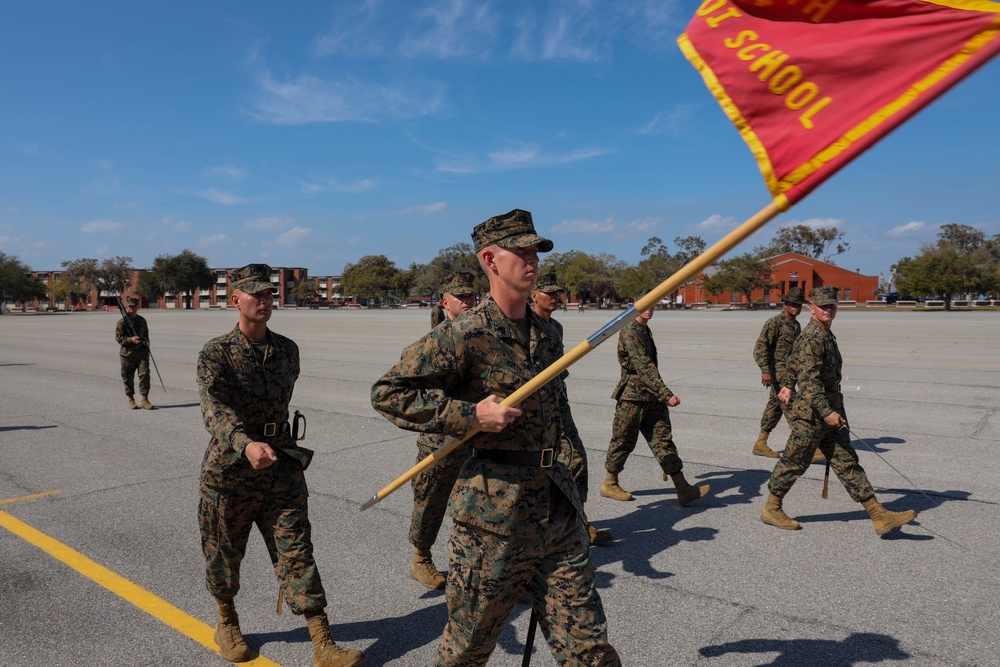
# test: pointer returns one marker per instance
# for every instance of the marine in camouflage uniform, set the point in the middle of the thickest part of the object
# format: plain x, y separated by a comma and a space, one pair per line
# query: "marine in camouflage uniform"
644, 403
437, 314
545, 298
516, 511
252, 471
134, 353
771, 356
818, 419
433, 485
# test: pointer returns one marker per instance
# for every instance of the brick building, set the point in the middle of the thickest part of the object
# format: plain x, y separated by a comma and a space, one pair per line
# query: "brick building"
285, 279
790, 270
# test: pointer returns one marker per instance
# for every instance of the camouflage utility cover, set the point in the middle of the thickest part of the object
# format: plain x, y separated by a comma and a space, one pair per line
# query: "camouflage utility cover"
547, 284
824, 296
511, 230
252, 278
460, 284
435, 388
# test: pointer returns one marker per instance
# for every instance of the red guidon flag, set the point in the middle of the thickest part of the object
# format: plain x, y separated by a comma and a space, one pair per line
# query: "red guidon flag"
811, 84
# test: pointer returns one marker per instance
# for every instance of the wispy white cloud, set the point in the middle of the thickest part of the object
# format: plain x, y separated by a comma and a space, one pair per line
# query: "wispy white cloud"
584, 226
715, 223
333, 185
516, 155
644, 224
312, 99
272, 223
914, 228
228, 173
356, 30
674, 122
425, 208
451, 29
101, 226
219, 197
294, 237
213, 241
819, 223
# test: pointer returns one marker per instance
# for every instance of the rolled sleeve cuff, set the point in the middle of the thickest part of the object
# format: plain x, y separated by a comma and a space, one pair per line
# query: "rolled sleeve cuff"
457, 418
240, 441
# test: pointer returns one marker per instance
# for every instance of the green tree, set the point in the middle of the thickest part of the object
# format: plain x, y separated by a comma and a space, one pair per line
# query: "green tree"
589, 277
374, 277
184, 272
820, 243
962, 261
305, 292
426, 279
115, 274
742, 274
15, 282
77, 280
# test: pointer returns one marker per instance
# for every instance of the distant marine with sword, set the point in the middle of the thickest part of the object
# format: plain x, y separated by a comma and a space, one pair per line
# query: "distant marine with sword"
132, 333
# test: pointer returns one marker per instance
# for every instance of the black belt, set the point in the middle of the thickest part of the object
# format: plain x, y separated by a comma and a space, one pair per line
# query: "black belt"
542, 459
268, 430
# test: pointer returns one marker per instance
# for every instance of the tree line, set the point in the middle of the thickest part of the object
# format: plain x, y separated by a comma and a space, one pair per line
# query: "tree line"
962, 261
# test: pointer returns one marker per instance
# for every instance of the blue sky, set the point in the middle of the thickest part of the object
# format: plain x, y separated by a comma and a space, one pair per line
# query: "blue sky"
313, 133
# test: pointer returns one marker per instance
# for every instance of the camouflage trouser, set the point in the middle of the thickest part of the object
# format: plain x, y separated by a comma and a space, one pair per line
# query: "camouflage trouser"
131, 364
652, 419
573, 454
277, 502
808, 433
431, 489
488, 573
772, 411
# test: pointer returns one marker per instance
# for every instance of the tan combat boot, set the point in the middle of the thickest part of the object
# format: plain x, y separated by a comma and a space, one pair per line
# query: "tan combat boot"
685, 492
326, 653
885, 520
598, 535
423, 571
131, 403
773, 515
760, 447
611, 489
146, 405
230, 640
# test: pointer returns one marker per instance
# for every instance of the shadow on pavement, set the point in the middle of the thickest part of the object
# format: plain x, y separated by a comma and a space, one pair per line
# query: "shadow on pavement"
863, 647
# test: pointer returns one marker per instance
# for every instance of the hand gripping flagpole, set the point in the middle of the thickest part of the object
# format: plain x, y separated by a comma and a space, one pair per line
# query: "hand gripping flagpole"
686, 273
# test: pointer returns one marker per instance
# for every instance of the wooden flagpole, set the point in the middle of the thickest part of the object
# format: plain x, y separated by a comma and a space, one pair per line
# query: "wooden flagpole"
686, 272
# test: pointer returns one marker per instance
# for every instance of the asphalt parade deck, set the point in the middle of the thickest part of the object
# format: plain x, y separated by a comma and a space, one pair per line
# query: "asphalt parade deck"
100, 562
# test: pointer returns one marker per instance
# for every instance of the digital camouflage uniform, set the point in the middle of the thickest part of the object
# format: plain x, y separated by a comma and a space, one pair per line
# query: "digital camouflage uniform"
245, 389
134, 356
437, 315
571, 450
815, 363
771, 355
433, 485
642, 403
517, 528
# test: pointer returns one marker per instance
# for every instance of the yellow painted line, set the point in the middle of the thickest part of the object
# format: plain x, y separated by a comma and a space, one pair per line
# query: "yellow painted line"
31, 497
154, 606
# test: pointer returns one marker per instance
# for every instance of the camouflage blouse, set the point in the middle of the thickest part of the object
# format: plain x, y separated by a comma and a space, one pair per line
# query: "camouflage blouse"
435, 388
640, 380
123, 334
773, 347
242, 387
816, 364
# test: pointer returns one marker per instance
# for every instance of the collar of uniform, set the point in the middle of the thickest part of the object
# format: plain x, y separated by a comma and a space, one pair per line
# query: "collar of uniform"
504, 326
246, 345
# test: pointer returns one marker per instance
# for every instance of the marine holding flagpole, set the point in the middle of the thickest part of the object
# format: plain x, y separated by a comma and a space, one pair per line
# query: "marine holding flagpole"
518, 527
